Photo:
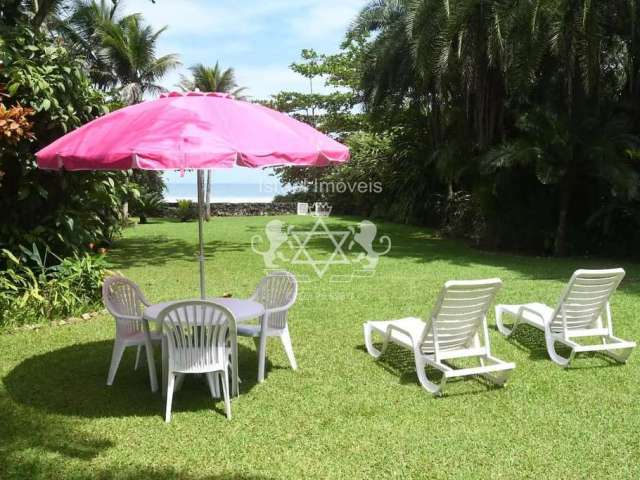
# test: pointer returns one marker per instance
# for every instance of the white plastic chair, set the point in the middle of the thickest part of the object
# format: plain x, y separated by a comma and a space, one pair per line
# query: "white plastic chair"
456, 328
277, 292
197, 334
579, 313
322, 209
124, 300
303, 208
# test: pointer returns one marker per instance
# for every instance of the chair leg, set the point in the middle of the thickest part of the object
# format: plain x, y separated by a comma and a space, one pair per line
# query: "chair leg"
170, 384
225, 392
428, 385
151, 366
618, 357
116, 356
213, 380
138, 350
507, 332
179, 381
262, 349
554, 355
288, 348
368, 341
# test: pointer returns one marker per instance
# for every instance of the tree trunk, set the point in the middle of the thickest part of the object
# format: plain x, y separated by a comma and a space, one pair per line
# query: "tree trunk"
560, 245
207, 198
143, 219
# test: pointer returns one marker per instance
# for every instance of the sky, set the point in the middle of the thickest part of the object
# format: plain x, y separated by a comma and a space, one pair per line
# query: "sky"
259, 39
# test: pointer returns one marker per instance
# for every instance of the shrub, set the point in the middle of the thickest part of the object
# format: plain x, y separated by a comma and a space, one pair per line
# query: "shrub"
186, 210
31, 291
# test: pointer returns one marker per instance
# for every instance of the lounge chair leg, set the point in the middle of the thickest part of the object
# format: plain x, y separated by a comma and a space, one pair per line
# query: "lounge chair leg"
507, 332
428, 385
557, 358
621, 357
499, 378
368, 341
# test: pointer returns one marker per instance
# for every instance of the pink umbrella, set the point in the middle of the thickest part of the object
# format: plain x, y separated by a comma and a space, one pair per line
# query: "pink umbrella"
192, 130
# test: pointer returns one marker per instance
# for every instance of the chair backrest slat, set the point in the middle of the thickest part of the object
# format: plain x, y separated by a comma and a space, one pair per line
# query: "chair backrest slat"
197, 332
277, 290
585, 298
459, 313
123, 299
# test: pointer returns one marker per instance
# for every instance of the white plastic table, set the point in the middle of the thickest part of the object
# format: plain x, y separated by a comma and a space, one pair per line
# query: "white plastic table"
242, 309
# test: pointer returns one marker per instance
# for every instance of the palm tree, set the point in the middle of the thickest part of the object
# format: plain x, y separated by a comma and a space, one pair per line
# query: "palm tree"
211, 79
130, 48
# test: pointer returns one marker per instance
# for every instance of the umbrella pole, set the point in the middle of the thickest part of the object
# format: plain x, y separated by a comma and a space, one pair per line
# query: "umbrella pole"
200, 229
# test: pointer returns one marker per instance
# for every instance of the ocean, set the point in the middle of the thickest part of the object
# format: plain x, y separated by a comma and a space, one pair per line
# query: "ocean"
225, 192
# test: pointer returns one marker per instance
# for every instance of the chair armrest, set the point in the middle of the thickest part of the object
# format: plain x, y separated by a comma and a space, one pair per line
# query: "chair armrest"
278, 309
391, 328
137, 318
524, 308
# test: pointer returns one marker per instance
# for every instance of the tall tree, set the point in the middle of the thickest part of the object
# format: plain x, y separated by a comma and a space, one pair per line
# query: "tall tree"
130, 48
211, 79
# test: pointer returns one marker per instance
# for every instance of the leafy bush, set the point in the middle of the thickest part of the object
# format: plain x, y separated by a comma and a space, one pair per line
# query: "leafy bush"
186, 210
45, 93
147, 204
32, 291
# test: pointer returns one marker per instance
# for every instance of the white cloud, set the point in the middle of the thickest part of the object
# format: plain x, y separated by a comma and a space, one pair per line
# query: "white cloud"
260, 39
325, 18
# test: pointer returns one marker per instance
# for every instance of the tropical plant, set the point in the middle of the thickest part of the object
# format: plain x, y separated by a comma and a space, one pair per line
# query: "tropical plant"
63, 211
130, 49
186, 210
32, 290
147, 204
211, 79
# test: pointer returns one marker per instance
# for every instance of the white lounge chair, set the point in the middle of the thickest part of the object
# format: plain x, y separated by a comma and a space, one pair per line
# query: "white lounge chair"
579, 313
321, 209
456, 328
277, 292
124, 300
198, 334
303, 208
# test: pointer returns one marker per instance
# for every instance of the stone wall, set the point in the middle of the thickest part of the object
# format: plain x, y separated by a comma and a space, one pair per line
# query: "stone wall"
245, 209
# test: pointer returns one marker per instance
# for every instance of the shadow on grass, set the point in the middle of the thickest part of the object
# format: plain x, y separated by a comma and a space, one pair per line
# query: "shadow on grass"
530, 339
159, 250
72, 381
400, 362
415, 244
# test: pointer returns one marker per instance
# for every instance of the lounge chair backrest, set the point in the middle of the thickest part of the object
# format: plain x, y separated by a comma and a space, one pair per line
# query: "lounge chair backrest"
197, 333
303, 208
585, 298
459, 313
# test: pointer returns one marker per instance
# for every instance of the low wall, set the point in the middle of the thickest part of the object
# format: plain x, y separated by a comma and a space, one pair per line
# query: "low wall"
246, 209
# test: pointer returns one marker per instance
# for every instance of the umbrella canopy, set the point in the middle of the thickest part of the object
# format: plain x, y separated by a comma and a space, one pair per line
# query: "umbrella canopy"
192, 130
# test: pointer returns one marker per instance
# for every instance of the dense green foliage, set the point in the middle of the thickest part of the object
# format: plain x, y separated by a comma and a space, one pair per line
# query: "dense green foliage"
33, 290
528, 108
341, 415
63, 64
62, 211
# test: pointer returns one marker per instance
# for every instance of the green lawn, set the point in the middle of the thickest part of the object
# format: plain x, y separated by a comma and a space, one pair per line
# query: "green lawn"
341, 415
